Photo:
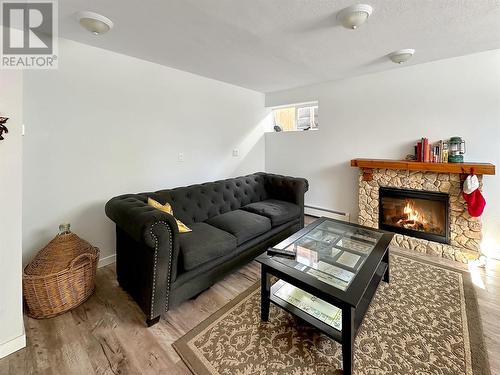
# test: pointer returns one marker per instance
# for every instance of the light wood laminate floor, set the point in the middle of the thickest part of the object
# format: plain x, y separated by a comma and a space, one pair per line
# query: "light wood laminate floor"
107, 334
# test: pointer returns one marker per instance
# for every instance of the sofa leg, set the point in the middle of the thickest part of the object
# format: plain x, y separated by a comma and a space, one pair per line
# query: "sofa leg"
151, 322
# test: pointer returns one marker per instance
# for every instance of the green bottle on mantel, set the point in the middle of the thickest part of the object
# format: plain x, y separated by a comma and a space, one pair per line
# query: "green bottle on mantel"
456, 150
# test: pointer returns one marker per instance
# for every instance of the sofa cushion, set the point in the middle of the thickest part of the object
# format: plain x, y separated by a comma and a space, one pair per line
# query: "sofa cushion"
203, 244
241, 224
278, 211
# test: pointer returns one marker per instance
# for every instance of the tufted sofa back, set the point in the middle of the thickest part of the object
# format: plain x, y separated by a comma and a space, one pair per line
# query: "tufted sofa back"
197, 203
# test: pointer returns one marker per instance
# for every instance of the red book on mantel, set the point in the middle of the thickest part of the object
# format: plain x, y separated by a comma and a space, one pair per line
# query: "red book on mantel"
419, 151
426, 150
422, 157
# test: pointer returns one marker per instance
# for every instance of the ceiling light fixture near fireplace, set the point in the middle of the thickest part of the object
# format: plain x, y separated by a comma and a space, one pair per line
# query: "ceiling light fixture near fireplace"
96, 23
354, 16
401, 56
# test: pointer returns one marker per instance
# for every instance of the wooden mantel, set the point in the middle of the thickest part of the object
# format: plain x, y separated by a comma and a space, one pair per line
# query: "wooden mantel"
461, 168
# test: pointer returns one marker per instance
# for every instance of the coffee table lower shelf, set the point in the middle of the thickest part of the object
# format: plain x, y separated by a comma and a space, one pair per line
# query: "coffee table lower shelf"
322, 326
296, 311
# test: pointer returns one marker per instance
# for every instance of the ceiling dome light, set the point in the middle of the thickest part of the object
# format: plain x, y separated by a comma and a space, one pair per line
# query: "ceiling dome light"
96, 23
401, 56
352, 17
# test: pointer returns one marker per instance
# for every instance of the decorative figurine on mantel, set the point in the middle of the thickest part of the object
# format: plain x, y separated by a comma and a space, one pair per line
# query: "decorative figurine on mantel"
3, 128
411, 157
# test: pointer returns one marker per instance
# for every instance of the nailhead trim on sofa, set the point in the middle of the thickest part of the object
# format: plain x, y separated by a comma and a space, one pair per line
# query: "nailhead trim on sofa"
154, 266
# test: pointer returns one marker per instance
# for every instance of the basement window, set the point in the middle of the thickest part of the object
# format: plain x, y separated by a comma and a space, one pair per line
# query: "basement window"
296, 117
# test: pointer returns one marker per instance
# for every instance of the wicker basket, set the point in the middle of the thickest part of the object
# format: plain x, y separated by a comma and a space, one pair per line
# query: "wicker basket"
61, 276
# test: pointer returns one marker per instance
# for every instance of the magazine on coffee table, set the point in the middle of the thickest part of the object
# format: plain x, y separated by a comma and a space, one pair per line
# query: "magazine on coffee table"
350, 244
338, 272
314, 306
348, 259
323, 236
328, 279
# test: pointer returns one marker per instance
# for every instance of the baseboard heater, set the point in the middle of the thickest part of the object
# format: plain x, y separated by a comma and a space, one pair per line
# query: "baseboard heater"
319, 211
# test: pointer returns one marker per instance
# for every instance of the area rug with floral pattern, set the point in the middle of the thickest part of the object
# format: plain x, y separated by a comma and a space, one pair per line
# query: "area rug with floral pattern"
426, 321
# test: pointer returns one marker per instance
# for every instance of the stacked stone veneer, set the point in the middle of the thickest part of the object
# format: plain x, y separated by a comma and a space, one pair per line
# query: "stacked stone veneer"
465, 231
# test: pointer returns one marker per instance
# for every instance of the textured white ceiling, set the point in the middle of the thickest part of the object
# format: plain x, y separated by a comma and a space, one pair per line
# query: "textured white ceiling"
270, 45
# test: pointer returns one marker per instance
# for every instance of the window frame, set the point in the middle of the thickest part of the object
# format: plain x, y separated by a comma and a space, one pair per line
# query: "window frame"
313, 105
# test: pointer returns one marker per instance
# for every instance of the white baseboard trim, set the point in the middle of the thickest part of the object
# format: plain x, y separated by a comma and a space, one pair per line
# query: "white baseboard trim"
12, 346
318, 212
110, 259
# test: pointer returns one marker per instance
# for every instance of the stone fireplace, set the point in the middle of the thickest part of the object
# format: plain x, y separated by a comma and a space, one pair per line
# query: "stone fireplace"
425, 208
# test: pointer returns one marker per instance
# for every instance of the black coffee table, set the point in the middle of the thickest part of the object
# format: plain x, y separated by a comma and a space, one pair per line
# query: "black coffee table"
328, 274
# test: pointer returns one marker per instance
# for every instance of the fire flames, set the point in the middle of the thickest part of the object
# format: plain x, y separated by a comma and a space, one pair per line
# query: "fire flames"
413, 218
418, 215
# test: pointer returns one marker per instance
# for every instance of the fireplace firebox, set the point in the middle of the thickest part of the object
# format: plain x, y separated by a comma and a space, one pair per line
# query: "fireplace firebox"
416, 213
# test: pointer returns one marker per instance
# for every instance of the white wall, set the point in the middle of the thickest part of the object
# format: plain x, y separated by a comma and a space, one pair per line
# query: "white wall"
382, 115
105, 124
11, 315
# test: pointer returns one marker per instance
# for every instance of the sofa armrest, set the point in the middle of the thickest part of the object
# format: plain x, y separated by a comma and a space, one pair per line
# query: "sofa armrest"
147, 251
132, 214
286, 188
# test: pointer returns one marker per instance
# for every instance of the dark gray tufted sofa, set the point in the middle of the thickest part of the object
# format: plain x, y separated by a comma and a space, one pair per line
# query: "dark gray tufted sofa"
232, 221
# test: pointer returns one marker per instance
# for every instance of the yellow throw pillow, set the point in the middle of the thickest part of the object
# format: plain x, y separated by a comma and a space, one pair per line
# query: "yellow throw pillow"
167, 208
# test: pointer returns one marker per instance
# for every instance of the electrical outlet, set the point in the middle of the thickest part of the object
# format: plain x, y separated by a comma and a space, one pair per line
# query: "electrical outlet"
180, 157
236, 152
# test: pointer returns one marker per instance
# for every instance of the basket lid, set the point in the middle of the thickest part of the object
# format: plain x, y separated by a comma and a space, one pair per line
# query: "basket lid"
58, 254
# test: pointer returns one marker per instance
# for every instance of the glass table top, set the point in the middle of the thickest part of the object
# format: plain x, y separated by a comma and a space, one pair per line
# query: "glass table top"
332, 252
